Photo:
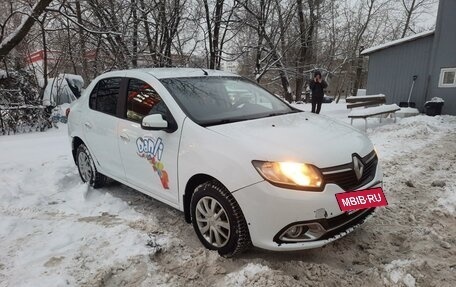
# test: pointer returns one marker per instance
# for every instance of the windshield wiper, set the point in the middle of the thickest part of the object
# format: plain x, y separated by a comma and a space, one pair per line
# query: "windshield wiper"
233, 120
282, 113
275, 114
221, 122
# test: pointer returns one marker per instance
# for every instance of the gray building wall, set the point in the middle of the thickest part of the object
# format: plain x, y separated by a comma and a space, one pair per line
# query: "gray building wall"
391, 71
444, 54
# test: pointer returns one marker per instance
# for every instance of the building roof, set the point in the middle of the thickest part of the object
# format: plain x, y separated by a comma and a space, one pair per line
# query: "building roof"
52, 55
397, 42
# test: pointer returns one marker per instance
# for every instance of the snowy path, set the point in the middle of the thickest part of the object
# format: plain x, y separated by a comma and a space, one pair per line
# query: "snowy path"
55, 231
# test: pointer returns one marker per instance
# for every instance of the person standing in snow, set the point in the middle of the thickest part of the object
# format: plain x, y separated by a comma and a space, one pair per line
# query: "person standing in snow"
317, 86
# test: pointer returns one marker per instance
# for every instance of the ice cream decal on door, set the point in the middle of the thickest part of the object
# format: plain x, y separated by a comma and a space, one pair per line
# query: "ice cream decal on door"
152, 149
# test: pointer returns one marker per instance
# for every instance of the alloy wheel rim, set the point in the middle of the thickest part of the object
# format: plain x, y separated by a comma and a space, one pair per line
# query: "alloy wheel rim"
213, 222
85, 167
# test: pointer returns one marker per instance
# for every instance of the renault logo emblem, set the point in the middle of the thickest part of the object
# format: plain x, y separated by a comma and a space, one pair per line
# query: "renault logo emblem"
358, 167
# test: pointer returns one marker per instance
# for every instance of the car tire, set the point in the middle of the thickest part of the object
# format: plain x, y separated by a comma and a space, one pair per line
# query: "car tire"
87, 170
215, 213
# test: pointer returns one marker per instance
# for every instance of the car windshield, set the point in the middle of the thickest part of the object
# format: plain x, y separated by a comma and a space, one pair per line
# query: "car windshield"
218, 100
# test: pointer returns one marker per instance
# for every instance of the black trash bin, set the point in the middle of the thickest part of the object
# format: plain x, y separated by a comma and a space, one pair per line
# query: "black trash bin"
433, 108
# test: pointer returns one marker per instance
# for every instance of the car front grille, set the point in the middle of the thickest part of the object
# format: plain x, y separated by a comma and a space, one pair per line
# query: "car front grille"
343, 222
345, 176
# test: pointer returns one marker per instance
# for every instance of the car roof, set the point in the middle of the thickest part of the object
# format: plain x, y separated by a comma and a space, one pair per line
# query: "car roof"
163, 73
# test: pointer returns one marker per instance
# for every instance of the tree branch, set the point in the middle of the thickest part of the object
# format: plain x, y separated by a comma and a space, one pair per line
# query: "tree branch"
21, 31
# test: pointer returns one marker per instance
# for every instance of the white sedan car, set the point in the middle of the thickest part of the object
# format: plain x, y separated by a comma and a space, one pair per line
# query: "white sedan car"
244, 167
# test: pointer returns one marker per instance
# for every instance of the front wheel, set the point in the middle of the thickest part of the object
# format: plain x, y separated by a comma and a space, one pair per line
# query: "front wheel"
218, 220
87, 169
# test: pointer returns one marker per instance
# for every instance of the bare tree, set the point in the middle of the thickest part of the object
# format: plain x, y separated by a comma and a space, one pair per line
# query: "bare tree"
213, 31
411, 8
307, 35
82, 41
358, 38
134, 58
260, 21
219, 29
276, 42
9, 42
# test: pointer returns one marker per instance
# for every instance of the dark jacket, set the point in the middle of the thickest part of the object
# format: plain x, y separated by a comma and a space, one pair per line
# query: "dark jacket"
317, 88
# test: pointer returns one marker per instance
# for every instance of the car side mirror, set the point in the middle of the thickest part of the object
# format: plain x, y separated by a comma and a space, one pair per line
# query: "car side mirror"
154, 122
158, 122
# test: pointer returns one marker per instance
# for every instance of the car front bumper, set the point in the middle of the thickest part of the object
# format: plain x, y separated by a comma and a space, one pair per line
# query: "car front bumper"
270, 210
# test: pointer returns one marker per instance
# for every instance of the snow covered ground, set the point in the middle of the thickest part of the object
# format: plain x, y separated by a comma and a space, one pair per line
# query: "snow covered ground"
55, 231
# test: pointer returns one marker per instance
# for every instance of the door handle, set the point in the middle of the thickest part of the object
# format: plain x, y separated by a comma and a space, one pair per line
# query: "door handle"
88, 125
125, 137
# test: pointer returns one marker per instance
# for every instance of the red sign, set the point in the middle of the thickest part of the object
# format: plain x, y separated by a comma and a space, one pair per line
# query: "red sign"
361, 199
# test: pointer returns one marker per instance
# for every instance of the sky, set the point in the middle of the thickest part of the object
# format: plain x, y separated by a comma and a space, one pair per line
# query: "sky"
429, 19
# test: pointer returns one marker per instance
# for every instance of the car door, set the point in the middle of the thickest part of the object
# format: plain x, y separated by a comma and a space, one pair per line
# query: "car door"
149, 156
100, 127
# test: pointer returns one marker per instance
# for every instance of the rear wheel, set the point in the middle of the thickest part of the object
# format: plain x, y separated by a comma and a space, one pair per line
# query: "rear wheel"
87, 169
218, 220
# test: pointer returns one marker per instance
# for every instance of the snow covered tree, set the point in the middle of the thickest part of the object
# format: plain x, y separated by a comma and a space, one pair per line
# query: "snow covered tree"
8, 42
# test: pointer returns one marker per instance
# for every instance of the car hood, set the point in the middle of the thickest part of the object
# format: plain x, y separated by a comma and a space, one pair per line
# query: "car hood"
299, 137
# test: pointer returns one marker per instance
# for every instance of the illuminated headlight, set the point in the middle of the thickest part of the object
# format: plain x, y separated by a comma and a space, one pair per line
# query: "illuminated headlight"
290, 174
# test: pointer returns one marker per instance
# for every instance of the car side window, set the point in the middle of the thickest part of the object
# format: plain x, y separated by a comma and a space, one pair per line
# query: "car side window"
143, 100
105, 95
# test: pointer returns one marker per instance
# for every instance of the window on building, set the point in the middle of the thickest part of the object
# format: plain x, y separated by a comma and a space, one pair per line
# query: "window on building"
143, 100
104, 96
447, 78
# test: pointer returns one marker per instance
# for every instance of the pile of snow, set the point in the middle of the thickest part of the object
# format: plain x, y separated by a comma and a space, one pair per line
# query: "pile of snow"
448, 199
75, 80
65, 88
374, 110
246, 275
51, 222
407, 112
398, 274
258, 275
46, 246
416, 132
435, 100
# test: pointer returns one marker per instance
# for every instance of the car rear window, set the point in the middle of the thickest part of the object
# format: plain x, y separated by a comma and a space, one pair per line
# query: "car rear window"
105, 95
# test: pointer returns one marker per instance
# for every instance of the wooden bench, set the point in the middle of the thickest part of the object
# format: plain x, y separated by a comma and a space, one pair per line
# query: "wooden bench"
373, 106
365, 101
